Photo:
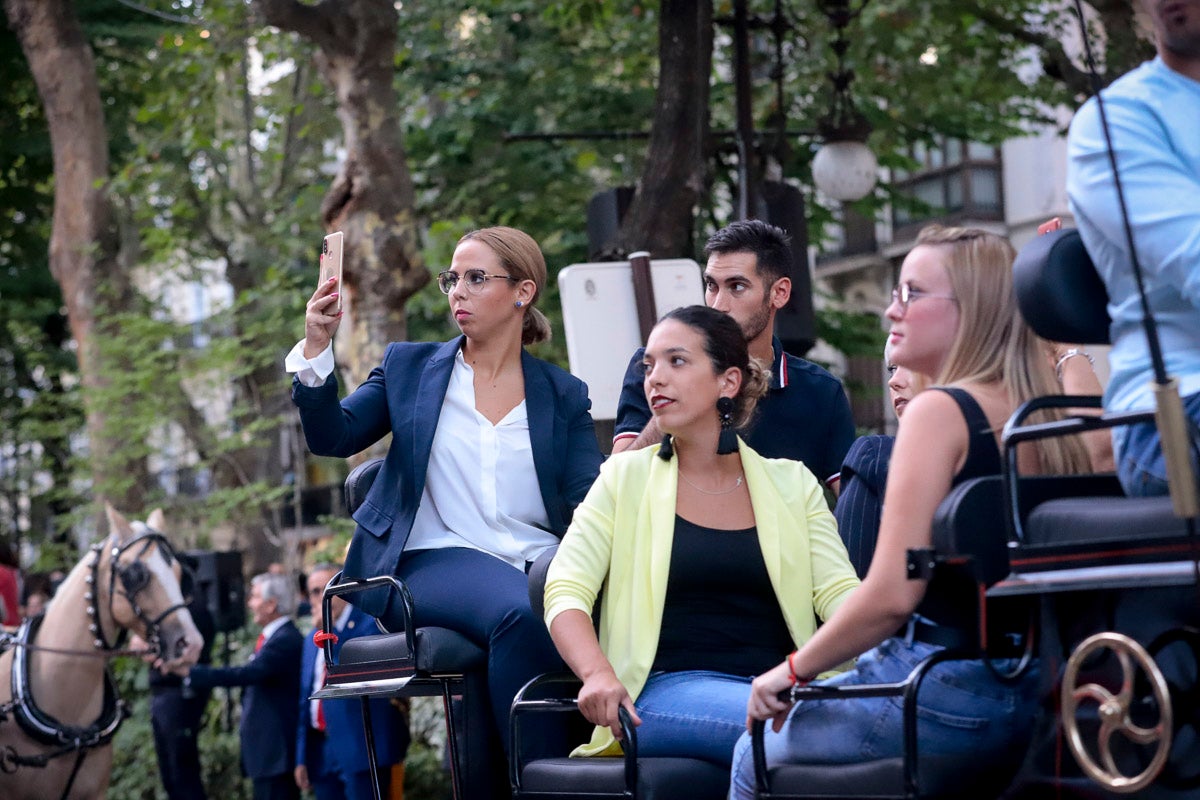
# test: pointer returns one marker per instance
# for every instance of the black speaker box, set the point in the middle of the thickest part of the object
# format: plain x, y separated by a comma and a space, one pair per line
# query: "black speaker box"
604, 214
795, 324
219, 582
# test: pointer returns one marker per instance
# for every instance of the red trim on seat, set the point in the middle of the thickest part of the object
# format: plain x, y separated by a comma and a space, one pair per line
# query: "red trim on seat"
1103, 554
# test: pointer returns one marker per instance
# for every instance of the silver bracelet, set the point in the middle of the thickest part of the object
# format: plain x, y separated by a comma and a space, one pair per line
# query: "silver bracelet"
1074, 351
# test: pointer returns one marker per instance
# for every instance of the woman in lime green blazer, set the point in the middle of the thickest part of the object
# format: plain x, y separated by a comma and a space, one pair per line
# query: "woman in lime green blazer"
715, 562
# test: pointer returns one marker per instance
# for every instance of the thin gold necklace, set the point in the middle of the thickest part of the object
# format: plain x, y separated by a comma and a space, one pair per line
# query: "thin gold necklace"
736, 484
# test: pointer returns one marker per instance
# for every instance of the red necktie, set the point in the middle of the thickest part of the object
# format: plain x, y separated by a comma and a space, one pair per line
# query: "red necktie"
320, 716
258, 644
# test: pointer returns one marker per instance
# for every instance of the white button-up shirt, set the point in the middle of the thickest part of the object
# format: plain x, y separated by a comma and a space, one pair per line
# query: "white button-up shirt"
481, 487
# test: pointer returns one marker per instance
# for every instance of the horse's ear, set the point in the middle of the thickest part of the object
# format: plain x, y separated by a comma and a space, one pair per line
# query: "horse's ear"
156, 521
117, 524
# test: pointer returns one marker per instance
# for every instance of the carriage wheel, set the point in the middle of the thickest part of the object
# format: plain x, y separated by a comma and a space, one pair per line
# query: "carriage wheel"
1115, 713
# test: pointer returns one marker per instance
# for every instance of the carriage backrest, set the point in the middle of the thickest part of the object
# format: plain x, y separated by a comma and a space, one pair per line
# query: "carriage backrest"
1058, 290
359, 482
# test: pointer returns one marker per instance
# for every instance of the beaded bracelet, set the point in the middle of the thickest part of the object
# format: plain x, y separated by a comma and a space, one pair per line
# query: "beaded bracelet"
1074, 351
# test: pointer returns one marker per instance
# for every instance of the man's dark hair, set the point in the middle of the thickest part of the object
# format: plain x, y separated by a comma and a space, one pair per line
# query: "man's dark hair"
772, 247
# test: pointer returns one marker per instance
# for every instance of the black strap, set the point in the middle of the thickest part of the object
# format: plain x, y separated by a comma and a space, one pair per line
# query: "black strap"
983, 455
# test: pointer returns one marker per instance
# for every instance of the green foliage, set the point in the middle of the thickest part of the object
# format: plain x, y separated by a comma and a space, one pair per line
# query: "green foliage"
223, 138
468, 78
425, 776
850, 332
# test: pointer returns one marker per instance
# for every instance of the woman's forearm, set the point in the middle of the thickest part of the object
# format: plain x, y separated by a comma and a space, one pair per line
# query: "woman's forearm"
576, 641
859, 624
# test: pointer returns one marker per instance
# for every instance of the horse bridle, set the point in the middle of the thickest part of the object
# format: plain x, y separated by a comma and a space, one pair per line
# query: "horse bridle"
134, 578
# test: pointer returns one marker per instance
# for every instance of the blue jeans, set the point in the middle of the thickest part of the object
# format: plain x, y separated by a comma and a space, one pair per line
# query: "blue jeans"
962, 710
692, 714
1141, 466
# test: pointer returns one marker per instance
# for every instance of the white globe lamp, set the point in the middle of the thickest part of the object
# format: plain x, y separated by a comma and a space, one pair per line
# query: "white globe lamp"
845, 170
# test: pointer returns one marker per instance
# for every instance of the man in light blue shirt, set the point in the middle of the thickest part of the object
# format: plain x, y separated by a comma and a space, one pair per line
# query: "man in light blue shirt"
1154, 118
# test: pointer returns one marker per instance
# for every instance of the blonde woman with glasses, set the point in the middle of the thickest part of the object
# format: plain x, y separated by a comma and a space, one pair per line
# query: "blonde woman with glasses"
954, 317
491, 451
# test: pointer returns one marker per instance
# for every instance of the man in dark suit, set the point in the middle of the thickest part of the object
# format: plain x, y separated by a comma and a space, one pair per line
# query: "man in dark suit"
331, 745
272, 682
176, 715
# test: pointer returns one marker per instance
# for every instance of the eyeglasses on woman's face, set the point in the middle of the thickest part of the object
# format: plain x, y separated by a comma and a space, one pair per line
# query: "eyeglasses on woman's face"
473, 279
905, 294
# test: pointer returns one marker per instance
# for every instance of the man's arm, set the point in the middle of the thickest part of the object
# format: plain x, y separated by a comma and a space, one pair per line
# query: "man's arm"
1160, 191
635, 428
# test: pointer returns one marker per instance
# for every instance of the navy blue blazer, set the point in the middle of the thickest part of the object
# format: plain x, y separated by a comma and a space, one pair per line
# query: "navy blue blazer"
403, 396
271, 679
860, 499
344, 746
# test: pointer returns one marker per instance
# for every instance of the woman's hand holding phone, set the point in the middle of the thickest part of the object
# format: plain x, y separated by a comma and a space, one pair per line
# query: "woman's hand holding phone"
322, 315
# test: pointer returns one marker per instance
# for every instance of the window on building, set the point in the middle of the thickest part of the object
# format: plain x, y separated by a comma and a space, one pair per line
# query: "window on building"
957, 180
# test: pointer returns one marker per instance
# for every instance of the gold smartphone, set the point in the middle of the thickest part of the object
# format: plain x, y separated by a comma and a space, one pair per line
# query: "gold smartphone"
331, 262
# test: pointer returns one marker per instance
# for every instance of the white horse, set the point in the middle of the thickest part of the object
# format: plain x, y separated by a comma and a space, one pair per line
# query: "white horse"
58, 704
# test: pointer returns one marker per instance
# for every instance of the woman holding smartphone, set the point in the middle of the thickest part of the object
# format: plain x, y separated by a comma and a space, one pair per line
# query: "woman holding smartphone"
491, 451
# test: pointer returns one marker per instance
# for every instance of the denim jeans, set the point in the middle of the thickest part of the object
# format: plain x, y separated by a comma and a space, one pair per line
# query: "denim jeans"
962, 710
692, 714
1141, 466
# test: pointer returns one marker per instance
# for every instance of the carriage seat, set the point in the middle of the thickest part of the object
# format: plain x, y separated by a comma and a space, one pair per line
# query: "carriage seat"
1081, 523
434, 651
632, 776
412, 662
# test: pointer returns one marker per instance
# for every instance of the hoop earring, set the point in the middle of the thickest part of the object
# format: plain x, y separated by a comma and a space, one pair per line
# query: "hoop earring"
667, 449
518, 304
727, 442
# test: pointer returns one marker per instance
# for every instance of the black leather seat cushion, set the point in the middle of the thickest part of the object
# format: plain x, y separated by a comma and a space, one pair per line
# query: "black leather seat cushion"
658, 778
438, 650
1094, 531
936, 777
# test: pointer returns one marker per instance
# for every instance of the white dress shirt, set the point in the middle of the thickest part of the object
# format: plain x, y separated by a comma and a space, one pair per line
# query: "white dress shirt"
269, 629
481, 487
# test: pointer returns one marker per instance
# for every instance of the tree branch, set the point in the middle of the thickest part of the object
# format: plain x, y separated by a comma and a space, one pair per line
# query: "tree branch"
316, 23
1055, 61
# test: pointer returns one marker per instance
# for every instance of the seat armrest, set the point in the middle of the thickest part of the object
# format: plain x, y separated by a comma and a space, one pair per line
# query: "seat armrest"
340, 587
906, 688
522, 706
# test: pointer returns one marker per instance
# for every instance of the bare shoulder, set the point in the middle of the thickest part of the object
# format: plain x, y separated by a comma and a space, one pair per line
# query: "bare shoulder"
933, 434
931, 408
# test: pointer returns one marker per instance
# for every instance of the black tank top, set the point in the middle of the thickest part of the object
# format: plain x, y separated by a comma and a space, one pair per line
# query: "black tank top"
720, 613
943, 602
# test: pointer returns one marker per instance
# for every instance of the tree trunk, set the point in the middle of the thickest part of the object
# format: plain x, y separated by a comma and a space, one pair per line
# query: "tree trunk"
83, 241
371, 198
660, 216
